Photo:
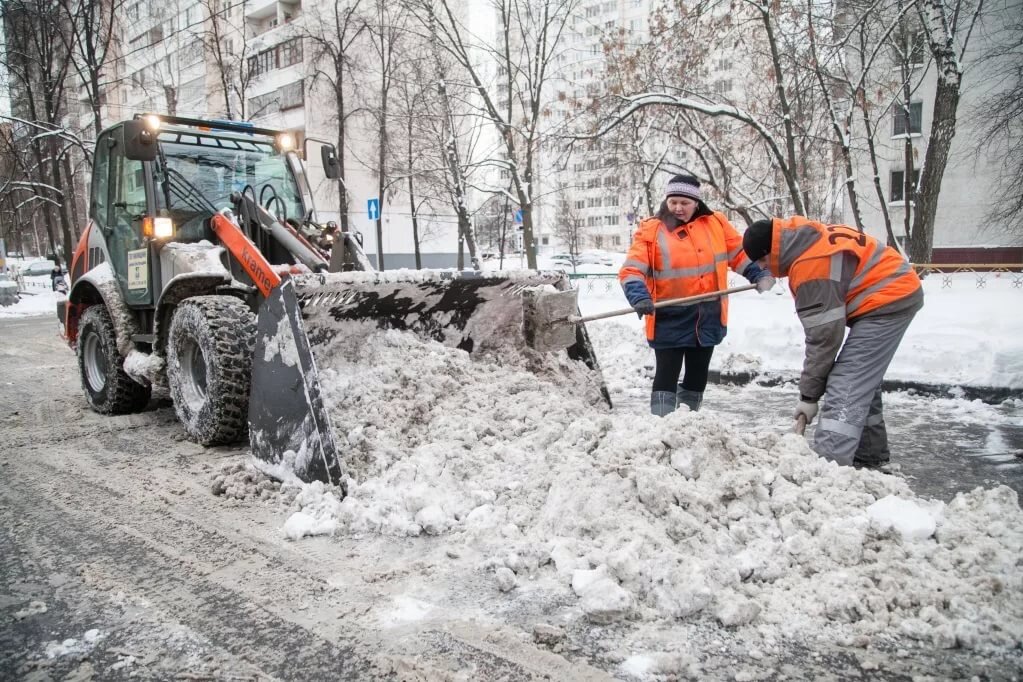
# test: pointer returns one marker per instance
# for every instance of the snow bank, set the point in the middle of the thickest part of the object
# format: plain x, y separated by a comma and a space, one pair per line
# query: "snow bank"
648, 518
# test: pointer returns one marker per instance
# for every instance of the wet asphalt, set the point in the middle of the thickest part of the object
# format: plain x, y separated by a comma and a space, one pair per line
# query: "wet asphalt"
940, 446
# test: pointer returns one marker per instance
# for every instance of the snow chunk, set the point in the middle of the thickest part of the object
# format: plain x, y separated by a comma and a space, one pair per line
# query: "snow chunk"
909, 519
144, 368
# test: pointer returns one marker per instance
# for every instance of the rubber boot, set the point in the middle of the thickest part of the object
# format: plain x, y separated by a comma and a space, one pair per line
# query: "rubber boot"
691, 399
662, 403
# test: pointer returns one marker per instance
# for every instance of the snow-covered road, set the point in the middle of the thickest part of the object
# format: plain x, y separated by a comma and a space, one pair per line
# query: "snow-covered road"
118, 560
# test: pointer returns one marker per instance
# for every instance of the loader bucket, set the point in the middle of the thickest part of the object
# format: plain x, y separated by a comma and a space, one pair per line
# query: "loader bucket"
480, 313
288, 424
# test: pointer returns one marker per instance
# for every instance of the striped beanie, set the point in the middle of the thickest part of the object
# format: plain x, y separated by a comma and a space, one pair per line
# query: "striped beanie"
683, 186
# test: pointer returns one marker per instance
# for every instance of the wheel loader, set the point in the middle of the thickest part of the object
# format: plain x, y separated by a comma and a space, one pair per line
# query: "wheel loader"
199, 272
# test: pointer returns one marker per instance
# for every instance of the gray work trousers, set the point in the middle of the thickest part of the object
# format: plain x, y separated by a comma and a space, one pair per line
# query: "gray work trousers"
851, 425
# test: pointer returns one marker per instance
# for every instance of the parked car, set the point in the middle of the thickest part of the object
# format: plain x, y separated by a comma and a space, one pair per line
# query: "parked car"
594, 258
36, 268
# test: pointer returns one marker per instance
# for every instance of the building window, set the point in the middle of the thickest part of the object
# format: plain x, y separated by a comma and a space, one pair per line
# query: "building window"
912, 126
292, 96
291, 52
898, 181
287, 53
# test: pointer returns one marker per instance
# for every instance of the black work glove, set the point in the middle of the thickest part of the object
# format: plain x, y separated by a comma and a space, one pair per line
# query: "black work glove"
643, 307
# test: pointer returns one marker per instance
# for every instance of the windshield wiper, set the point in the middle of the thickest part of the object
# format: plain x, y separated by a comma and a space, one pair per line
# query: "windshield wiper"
188, 193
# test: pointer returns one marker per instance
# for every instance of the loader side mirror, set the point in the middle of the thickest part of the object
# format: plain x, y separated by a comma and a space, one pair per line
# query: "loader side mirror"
331, 165
139, 141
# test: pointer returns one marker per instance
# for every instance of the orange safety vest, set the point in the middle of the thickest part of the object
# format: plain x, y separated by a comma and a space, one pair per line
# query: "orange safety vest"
882, 276
676, 268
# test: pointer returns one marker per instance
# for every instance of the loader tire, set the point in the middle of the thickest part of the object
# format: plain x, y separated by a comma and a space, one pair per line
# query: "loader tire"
107, 388
209, 367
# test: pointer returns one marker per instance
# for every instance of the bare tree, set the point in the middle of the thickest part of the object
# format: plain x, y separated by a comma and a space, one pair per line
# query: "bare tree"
528, 42
38, 63
450, 133
947, 32
90, 43
852, 54
413, 108
224, 42
1001, 118
386, 30
494, 224
762, 146
570, 229
334, 35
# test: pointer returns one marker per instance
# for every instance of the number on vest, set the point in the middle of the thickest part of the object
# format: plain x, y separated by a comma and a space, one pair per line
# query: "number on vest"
836, 232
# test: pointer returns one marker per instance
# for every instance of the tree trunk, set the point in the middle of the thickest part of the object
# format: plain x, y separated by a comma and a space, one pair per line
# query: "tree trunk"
171, 94
97, 111
67, 197
942, 44
943, 129
339, 101
415, 217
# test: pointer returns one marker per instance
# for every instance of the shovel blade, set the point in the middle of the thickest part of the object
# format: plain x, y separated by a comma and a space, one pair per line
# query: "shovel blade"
546, 319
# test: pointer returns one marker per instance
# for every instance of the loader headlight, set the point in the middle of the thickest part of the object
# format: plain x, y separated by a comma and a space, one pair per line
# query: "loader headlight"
163, 227
160, 227
152, 122
285, 142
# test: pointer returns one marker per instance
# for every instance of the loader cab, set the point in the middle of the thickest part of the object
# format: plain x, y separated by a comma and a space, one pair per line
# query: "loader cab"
158, 180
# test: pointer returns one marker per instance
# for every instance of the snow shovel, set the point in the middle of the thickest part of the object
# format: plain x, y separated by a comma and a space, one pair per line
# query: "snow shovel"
551, 317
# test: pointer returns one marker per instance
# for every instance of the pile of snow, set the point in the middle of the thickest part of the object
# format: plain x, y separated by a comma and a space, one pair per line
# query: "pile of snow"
649, 518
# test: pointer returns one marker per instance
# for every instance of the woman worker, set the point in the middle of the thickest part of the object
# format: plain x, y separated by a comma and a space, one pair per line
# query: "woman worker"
684, 250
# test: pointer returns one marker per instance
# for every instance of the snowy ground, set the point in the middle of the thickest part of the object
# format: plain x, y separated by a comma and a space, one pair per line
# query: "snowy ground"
488, 503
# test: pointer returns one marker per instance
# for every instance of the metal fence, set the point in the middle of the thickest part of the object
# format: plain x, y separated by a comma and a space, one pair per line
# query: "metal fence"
982, 273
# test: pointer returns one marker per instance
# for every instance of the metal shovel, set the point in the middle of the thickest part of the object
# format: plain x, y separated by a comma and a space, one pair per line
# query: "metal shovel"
551, 317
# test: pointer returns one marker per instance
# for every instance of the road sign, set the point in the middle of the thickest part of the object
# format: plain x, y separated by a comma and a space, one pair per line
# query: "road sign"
373, 208
518, 216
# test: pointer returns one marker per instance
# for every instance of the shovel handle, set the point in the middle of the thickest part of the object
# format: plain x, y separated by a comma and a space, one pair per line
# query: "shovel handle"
667, 302
800, 426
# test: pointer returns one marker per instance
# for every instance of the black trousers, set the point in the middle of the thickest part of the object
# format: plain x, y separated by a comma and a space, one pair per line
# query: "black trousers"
669, 365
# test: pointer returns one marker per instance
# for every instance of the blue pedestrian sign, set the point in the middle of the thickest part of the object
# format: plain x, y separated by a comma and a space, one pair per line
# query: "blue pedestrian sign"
518, 216
373, 208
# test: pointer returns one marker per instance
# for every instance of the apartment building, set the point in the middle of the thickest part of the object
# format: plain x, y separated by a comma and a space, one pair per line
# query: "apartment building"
253, 60
962, 232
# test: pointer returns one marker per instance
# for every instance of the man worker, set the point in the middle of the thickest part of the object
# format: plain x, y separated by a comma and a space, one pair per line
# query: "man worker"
841, 277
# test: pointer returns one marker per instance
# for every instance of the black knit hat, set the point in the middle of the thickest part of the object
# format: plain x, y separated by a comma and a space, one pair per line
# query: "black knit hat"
756, 241
683, 186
